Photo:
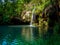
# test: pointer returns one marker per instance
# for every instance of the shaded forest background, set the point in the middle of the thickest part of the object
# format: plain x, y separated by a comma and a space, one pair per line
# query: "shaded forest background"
12, 12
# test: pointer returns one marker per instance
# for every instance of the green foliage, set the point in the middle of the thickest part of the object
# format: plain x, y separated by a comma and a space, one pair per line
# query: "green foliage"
9, 9
19, 6
1, 8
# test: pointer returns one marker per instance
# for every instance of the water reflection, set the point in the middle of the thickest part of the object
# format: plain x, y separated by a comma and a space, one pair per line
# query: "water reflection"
19, 35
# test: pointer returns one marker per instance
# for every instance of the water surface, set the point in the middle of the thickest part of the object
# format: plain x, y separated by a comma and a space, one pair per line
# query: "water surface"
25, 35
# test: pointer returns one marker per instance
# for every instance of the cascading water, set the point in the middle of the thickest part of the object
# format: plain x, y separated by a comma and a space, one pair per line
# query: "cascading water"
32, 16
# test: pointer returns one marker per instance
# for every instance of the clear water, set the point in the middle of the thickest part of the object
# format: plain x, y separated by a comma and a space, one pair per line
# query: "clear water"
26, 35
17, 35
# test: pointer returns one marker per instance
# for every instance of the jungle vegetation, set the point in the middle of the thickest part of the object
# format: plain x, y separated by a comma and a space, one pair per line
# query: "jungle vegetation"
15, 12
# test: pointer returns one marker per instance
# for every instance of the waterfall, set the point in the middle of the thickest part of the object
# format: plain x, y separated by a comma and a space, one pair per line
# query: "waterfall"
32, 16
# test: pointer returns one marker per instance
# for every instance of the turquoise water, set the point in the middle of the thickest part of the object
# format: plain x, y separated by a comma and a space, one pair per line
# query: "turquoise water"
25, 35
19, 35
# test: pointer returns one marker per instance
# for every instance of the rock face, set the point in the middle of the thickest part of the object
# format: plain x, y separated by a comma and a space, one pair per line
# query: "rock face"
53, 16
